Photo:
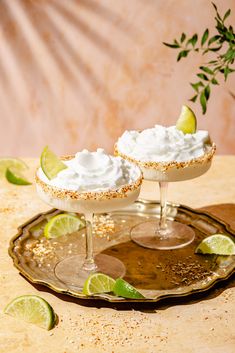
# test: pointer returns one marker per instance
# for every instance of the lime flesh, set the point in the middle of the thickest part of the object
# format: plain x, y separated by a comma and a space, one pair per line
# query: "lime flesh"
32, 309
126, 290
187, 122
218, 244
50, 163
98, 283
62, 224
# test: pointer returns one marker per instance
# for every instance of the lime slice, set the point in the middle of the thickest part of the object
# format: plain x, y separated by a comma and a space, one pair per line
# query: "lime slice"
187, 122
218, 244
15, 177
50, 163
126, 290
98, 283
62, 224
11, 162
33, 309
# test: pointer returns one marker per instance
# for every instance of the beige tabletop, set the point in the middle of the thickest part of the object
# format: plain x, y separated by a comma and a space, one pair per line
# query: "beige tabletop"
204, 325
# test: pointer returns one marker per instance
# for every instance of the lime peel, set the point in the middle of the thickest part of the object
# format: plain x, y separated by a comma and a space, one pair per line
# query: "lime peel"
62, 224
98, 283
50, 163
14, 176
187, 122
218, 244
32, 309
126, 290
8, 162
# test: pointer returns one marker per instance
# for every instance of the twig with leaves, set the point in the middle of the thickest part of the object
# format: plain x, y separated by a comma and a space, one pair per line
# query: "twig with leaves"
223, 62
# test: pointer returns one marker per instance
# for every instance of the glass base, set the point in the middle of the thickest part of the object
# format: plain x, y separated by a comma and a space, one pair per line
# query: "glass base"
177, 235
70, 271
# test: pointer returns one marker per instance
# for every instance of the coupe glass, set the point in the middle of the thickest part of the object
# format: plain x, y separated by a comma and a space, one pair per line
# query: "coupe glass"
74, 270
166, 234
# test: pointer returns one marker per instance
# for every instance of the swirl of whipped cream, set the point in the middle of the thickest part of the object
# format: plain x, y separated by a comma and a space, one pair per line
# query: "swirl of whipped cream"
94, 171
163, 144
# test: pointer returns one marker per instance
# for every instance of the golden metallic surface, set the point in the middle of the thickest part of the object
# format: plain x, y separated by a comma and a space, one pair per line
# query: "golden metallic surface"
157, 274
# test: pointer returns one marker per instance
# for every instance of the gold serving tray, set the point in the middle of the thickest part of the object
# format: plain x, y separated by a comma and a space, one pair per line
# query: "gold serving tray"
158, 274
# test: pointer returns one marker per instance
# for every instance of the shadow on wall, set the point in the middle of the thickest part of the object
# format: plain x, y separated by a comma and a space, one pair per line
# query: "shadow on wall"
77, 74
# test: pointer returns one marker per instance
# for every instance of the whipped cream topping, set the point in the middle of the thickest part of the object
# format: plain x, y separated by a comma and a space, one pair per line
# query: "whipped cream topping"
94, 171
163, 144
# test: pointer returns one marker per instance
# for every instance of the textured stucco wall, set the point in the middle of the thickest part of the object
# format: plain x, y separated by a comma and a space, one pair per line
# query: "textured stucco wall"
75, 74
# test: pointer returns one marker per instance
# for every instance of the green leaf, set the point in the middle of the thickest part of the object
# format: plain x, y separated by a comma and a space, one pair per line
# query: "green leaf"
197, 85
203, 77
176, 43
205, 51
203, 102
214, 81
229, 55
194, 98
216, 48
226, 14
183, 36
218, 67
205, 36
213, 39
182, 54
220, 27
171, 45
218, 15
193, 40
229, 36
226, 71
214, 6
207, 92
207, 70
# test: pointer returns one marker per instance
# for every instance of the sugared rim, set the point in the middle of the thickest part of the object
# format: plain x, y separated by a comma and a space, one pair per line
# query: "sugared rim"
164, 166
61, 193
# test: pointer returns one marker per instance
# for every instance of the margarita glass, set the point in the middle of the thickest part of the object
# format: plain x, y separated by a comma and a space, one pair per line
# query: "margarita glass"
74, 270
165, 234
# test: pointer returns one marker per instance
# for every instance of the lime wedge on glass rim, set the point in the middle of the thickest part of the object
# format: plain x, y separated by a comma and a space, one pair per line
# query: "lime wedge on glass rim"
8, 162
32, 309
62, 224
50, 163
126, 290
218, 244
98, 283
14, 176
187, 122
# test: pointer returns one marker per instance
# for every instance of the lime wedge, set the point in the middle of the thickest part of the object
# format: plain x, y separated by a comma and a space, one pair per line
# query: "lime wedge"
218, 244
11, 162
50, 163
15, 177
98, 283
187, 122
62, 224
33, 309
126, 290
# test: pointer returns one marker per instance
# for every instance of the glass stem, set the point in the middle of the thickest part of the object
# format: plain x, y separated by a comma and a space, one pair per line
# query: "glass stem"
89, 263
163, 185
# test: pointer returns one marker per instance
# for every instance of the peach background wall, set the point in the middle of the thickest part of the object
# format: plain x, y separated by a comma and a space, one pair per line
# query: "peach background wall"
75, 74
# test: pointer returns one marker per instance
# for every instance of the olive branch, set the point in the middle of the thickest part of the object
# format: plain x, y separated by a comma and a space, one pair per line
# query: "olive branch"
222, 44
